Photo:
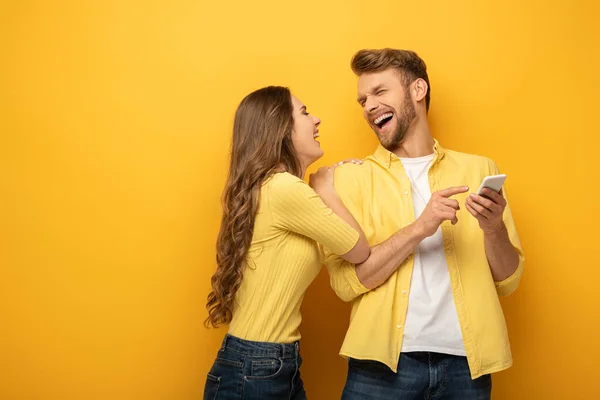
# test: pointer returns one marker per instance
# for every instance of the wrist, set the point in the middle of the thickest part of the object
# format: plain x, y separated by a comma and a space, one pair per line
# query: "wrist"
495, 230
325, 190
418, 230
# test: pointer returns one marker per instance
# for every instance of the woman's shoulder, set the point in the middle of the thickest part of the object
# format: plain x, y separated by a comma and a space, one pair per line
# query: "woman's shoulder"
284, 188
283, 181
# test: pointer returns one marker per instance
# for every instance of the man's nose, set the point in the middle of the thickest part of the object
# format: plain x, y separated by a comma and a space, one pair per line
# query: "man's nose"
371, 104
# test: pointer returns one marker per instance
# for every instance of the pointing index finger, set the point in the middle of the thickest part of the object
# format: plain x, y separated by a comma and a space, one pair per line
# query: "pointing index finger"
451, 191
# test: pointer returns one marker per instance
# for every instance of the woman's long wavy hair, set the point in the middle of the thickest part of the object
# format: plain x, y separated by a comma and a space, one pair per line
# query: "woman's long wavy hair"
261, 146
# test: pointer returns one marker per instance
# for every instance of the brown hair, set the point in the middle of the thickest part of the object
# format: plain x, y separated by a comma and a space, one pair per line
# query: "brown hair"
261, 145
406, 62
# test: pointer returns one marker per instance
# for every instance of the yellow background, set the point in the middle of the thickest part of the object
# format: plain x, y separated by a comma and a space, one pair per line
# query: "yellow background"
115, 122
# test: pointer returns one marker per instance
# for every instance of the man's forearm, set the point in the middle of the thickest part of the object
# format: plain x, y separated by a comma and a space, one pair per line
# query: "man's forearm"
501, 254
386, 257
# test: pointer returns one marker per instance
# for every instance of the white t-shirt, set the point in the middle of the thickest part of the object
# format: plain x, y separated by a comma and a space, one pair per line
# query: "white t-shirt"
431, 320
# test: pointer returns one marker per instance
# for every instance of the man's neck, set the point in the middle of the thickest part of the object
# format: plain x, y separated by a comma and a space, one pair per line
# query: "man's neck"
418, 142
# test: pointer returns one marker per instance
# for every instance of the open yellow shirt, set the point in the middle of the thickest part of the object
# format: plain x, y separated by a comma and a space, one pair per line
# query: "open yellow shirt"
378, 194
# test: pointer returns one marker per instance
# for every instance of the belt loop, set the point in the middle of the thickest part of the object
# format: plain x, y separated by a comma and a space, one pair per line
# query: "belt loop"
297, 349
282, 347
224, 344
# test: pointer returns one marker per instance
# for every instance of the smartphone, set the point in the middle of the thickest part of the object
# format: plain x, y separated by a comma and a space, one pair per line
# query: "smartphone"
493, 182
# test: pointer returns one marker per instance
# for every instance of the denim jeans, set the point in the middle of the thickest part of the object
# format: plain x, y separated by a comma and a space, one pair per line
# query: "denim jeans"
247, 370
421, 375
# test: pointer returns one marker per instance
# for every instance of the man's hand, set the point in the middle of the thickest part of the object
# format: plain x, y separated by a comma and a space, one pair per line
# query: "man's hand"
439, 209
488, 210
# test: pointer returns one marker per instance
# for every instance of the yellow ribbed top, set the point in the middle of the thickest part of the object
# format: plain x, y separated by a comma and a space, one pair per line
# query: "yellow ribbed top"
284, 259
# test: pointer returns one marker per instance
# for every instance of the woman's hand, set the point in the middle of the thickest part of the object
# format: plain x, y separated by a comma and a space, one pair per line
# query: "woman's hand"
322, 180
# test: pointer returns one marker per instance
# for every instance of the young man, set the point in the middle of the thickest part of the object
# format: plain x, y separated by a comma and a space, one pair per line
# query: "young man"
426, 320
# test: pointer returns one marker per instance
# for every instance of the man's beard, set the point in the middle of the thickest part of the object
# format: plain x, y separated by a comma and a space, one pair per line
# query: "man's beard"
404, 118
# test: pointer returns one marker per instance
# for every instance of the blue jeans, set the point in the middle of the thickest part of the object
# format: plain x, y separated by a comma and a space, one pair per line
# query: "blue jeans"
421, 375
246, 370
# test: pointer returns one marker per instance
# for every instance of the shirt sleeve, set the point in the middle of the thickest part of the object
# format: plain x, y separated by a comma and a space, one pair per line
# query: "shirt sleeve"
510, 284
342, 274
298, 208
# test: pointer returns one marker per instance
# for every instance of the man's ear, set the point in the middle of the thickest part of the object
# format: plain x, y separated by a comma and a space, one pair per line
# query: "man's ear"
419, 89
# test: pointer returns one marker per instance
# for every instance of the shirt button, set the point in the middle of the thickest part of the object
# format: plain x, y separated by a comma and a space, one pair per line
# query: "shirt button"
406, 192
404, 292
399, 326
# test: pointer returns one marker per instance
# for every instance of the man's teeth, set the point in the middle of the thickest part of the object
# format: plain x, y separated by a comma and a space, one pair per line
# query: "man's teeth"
316, 135
382, 117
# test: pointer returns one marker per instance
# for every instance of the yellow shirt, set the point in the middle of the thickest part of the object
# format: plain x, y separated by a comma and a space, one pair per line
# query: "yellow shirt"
284, 258
378, 194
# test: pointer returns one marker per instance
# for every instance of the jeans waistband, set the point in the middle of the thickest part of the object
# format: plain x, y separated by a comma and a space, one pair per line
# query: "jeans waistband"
260, 349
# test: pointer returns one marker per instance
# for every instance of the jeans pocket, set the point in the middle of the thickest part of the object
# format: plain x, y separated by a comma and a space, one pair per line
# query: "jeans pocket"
265, 368
211, 388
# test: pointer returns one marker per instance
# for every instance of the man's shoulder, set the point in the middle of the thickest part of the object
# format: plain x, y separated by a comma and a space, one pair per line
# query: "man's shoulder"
356, 171
470, 159
351, 176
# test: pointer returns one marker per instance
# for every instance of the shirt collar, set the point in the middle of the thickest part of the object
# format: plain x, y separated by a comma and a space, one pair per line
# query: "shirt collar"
385, 157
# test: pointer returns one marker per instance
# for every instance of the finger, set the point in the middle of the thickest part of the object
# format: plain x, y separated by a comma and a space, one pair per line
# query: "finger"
493, 195
452, 218
449, 213
471, 210
354, 160
450, 203
350, 160
451, 191
320, 173
482, 201
482, 211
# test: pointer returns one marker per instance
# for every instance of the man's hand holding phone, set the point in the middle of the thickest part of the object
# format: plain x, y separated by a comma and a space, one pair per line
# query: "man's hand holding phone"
488, 207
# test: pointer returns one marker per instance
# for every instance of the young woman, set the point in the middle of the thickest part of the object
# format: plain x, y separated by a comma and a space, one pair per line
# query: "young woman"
267, 252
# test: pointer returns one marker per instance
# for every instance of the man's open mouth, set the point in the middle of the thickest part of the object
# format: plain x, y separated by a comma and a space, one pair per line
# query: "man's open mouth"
383, 119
